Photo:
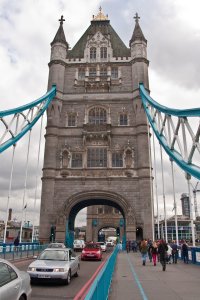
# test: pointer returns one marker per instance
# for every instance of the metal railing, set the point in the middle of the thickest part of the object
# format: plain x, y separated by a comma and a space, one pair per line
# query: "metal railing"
101, 285
12, 252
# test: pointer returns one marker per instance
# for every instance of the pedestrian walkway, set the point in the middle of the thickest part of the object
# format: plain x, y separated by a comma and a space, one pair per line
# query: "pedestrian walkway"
132, 281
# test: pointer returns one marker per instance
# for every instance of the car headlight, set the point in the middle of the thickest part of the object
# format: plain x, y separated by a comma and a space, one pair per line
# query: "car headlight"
98, 252
58, 270
83, 251
32, 269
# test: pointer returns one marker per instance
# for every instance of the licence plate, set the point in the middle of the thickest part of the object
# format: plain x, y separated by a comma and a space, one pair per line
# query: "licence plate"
90, 255
44, 276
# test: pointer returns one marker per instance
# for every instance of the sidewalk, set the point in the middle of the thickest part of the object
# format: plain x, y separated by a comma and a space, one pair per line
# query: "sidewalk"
131, 280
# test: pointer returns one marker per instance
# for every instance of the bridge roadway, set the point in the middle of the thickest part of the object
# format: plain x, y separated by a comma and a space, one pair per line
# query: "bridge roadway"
132, 281
57, 291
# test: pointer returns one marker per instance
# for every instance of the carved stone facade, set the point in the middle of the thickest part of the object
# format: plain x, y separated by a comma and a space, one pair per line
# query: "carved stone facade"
96, 150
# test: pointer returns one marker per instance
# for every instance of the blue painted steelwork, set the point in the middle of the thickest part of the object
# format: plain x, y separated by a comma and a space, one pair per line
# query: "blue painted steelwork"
148, 103
69, 236
47, 98
101, 285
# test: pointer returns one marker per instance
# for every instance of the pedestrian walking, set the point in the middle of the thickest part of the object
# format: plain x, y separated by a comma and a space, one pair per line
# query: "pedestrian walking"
16, 243
162, 250
144, 251
174, 252
154, 252
184, 250
149, 250
169, 254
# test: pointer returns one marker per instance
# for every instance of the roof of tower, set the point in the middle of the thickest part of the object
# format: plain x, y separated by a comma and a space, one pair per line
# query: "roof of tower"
60, 35
100, 23
137, 33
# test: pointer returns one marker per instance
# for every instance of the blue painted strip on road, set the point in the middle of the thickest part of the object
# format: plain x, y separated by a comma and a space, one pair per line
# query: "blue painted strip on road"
144, 297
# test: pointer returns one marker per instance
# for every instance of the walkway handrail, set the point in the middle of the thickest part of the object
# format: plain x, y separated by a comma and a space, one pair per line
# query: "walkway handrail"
171, 133
101, 285
34, 111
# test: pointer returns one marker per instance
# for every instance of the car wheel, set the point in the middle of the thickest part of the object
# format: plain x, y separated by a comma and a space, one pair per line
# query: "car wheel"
22, 297
68, 277
76, 274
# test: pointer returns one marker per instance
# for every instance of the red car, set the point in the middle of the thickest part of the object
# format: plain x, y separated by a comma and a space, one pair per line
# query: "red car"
91, 251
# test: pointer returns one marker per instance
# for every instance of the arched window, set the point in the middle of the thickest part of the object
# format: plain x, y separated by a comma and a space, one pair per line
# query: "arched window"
97, 115
103, 52
93, 53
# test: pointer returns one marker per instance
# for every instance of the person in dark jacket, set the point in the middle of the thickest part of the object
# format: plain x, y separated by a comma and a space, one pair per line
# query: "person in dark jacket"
185, 252
16, 243
162, 250
174, 252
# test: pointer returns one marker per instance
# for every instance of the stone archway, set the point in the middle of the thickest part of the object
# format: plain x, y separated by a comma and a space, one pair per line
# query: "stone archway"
83, 199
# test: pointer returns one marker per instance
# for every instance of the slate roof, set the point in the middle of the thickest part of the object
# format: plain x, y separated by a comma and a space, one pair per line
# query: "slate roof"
119, 48
137, 34
60, 36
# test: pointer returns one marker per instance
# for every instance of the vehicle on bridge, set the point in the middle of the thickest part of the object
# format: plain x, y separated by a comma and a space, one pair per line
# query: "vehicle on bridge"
103, 246
78, 245
14, 284
56, 245
55, 264
92, 251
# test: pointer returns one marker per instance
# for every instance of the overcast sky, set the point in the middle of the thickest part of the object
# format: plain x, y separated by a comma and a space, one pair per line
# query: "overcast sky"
172, 28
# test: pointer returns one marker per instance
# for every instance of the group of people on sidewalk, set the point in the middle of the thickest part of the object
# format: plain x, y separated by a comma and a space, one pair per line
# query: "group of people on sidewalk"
162, 252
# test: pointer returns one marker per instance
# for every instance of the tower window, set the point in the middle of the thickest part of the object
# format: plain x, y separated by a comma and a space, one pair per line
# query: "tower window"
108, 209
93, 53
103, 52
72, 120
97, 157
92, 72
123, 120
103, 72
76, 160
97, 115
117, 160
114, 73
81, 73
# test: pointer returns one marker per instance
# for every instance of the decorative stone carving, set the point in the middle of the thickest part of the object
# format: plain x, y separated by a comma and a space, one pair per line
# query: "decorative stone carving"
130, 216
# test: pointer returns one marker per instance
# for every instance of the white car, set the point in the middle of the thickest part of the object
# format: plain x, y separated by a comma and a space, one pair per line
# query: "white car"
110, 243
56, 245
14, 284
54, 264
78, 245
103, 246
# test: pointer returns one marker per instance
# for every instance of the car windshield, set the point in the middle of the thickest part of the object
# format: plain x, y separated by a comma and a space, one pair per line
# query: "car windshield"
54, 255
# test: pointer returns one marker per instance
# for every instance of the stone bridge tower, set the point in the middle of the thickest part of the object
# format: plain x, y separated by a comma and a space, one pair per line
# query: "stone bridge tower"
97, 146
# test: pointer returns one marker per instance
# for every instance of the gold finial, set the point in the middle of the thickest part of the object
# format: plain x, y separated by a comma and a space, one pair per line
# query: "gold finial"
100, 16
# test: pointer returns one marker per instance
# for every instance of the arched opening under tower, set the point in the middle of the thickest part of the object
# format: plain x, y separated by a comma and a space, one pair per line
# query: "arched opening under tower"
104, 214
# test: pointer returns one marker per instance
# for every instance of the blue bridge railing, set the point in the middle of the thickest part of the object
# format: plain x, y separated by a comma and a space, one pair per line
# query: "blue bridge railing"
101, 285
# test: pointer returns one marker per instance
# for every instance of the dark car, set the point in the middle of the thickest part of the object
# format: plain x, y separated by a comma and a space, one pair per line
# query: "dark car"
92, 251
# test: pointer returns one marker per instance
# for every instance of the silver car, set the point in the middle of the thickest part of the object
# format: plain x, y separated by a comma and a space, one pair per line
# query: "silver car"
55, 264
14, 284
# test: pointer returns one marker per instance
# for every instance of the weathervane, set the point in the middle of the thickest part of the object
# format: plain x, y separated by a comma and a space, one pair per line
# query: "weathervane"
61, 20
136, 18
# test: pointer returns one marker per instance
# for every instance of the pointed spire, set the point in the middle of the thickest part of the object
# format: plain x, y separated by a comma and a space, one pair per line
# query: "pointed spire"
137, 33
60, 35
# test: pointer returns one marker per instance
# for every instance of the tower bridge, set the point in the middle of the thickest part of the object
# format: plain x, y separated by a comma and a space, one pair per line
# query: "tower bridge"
97, 141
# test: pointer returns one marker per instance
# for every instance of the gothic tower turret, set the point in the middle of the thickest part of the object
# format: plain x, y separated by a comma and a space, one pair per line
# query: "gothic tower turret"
59, 49
138, 45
